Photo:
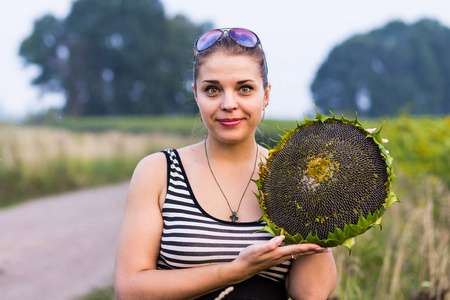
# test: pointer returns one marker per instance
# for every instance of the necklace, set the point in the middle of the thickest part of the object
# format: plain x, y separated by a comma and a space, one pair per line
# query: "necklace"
233, 216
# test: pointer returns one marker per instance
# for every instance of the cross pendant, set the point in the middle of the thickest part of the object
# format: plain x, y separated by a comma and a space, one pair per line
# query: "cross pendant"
233, 216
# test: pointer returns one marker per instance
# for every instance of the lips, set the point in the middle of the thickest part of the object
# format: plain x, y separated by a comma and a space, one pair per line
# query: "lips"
230, 122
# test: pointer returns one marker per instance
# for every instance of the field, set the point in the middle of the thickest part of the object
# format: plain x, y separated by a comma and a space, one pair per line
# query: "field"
58, 156
408, 259
40, 160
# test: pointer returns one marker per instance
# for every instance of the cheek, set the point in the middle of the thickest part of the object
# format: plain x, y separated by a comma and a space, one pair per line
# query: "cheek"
205, 107
258, 102
201, 107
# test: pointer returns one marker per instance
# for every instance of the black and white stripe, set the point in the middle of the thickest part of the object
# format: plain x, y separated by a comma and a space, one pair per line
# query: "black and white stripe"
191, 237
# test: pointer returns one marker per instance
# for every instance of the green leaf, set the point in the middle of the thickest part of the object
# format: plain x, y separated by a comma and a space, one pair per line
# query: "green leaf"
392, 199
349, 244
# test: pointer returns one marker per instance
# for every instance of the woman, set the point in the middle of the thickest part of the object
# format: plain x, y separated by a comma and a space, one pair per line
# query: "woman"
189, 226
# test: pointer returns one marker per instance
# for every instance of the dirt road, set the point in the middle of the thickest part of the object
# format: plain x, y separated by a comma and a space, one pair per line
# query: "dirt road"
62, 246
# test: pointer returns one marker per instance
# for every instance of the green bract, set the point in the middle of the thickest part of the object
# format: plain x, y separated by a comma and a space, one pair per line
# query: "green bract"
326, 182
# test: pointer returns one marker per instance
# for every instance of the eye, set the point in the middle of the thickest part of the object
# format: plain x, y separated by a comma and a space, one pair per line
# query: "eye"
211, 90
246, 89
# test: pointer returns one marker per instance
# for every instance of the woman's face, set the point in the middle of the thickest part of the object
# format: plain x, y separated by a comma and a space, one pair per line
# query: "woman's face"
230, 96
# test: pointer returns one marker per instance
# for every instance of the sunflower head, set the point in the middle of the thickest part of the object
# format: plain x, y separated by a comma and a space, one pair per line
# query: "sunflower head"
325, 182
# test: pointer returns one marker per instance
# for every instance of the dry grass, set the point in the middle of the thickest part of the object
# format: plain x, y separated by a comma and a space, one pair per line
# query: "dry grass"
40, 160
35, 146
409, 258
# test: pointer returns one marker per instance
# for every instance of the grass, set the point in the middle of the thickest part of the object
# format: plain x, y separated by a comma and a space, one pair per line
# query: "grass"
183, 125
175, 125
106, 293
71, 153
408, 259
38, 161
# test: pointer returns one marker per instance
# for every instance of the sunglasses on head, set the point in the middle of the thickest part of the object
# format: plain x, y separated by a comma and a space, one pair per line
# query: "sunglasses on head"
241, 36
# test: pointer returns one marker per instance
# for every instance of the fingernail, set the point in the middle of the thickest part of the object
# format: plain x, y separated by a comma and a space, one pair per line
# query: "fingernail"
282, 237
324, 249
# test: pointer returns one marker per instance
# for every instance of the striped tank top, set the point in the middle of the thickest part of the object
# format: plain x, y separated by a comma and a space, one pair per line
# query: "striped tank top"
191, 237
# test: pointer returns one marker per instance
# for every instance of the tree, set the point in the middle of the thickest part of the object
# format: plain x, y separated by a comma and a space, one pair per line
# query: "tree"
397, 68
115, 57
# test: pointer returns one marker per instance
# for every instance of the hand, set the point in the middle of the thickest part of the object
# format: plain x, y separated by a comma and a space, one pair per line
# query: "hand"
256, 258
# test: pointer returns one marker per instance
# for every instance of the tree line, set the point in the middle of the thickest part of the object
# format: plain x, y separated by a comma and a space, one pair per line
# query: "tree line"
398, 68
126, 57
115, 57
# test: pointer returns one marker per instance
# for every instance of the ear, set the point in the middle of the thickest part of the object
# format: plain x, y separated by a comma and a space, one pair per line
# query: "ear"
195, 92
267, 95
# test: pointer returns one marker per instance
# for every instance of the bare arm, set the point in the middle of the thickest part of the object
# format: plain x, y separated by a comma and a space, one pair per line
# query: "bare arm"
312, 277
136, 275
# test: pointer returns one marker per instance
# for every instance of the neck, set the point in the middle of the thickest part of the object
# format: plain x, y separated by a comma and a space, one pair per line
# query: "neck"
232, 166
231, 152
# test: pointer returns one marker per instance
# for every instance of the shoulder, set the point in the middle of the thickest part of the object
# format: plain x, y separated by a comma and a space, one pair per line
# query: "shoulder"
149, 179
149, 164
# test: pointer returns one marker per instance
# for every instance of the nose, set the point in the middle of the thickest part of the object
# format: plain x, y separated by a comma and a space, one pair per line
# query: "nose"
229, 102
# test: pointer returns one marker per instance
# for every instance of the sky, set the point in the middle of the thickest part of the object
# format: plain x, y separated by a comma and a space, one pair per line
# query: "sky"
296, 36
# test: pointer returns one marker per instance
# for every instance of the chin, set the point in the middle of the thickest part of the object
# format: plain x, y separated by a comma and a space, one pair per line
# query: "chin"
234, 138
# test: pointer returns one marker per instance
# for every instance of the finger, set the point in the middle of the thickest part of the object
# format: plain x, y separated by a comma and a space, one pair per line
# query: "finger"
306, 247
311, 252
275, 242
266, 247
270, 246
303, 249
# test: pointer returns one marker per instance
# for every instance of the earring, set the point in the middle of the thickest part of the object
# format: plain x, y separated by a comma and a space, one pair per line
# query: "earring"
264, 110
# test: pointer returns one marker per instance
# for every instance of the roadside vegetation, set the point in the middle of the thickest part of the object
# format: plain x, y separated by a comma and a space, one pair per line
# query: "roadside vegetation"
408, 259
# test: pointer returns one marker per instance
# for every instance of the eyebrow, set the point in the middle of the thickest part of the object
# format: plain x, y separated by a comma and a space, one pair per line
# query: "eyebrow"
244, 81
218, 82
